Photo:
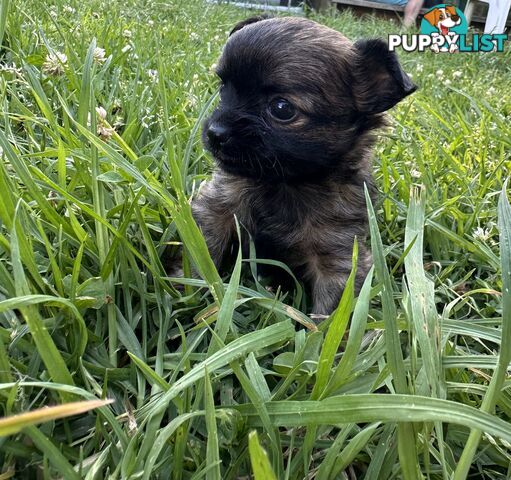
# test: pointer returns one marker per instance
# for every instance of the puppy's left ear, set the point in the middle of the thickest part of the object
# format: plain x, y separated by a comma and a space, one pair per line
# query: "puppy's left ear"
379, 81
248, 21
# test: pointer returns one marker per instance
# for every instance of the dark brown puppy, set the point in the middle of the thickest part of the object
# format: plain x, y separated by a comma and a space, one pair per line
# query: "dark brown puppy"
292, 141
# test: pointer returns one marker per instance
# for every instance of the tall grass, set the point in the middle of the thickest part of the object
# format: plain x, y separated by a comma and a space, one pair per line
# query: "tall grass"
220, 377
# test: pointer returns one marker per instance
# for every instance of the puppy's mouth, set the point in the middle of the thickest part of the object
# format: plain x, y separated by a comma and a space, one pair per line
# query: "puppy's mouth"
226, 158
223, 152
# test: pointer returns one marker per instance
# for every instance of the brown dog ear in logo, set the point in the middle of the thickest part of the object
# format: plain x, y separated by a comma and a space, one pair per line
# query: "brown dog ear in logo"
433, 17
451, 10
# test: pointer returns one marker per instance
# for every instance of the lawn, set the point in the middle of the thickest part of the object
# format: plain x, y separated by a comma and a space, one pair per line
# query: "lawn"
101, 106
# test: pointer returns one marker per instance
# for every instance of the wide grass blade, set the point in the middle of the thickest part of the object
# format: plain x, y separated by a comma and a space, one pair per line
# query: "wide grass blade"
259, 459
377, 408
421, 290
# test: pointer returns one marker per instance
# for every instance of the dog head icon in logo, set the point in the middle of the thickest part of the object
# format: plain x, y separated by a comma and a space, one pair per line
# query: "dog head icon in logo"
445, 21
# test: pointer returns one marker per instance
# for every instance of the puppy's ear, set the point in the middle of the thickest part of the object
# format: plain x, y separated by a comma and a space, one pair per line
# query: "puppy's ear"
379, 82
248, 21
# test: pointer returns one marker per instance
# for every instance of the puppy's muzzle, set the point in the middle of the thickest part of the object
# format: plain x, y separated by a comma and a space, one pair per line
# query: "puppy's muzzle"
218, 134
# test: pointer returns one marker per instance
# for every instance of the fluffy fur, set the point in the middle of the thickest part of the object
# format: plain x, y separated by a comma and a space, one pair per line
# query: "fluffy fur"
297, 186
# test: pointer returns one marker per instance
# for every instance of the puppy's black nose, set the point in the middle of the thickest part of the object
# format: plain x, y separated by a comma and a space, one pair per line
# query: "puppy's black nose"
218, 134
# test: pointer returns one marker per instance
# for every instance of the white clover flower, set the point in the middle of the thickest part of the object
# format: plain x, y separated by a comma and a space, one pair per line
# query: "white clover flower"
99, 55
457, 74
447, 81
415, 173
101, 113
153, 75
69, 9
193, 100
482, 234
491, 90
419, 67
10, 68
194, 36
118, 122
440, 73
127, 33
145, 122
105, 131
55, 63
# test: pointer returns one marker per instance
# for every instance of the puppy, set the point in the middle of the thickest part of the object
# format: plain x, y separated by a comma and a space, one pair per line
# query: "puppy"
292, 139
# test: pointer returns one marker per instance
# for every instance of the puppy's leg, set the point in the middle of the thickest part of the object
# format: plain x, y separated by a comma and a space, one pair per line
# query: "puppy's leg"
328, 278
217, 226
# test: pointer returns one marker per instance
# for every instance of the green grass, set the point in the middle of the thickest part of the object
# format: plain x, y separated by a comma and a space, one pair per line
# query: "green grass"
420, 387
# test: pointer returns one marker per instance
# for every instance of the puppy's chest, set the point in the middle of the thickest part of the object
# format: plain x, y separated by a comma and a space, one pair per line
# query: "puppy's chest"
290, 217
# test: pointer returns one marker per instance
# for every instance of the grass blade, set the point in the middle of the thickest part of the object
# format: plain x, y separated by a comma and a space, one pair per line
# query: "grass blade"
259, 459
406, 435
45, 445
373, 407
212, 455
335, 332
15, 423
499, 375
237, 349
4, 13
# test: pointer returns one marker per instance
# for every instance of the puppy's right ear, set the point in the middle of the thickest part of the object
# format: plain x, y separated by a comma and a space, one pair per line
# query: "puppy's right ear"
379, 80
248, 21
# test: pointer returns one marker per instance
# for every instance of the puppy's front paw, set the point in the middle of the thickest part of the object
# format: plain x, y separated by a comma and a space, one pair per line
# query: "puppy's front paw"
435, 48
453, 48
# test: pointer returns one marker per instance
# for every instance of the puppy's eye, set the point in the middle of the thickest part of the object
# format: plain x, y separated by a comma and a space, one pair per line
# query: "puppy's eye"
282, 110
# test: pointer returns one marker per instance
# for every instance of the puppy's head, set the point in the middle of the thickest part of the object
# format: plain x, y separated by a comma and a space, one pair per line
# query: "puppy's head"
296, 96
